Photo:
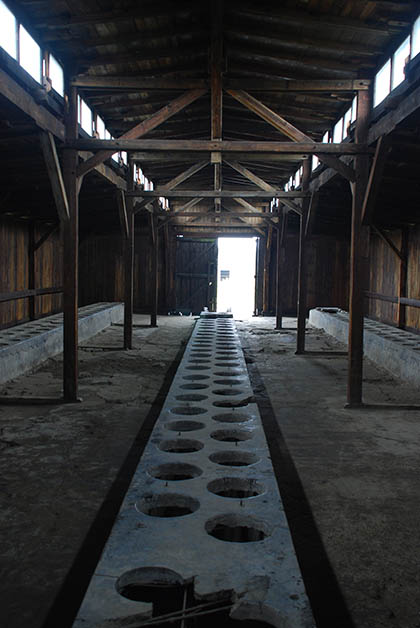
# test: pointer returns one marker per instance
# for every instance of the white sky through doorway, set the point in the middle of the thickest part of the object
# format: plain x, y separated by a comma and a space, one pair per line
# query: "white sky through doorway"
236, 276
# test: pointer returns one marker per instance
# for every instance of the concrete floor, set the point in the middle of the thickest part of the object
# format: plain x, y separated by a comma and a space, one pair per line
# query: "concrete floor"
349, 478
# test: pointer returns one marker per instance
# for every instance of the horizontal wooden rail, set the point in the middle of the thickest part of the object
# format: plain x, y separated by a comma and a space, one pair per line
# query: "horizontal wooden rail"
25, 294
402, 300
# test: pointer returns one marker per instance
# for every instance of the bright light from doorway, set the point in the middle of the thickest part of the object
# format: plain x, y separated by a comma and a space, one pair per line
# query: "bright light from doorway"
236, 276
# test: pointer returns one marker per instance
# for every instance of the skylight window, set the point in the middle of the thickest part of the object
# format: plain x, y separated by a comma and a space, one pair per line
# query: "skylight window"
315, 162
400, 58
100, 128
354, 109
86, 117
8, 31
29, 54
338, 132
56, 76
346, 123
382, 83
415, 38
325, 138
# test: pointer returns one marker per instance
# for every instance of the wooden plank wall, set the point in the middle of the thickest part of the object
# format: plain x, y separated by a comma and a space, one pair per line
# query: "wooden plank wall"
102, 270
413, 278
328, 273
14, 270
384, 271
384, 268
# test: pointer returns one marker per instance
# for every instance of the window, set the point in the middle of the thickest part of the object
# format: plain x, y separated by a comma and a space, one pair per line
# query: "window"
8, 31
29, 54
315, 162
56, 76
100, 128
400, 58
382, 85
338, 132
86, 117
354, 109
325, 138
346, 123
415, 38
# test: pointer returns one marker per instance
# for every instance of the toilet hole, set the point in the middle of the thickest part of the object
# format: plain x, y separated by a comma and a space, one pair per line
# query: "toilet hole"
184, 426
234, 458
188, 410
194, 386
231, 417
231, 436
197, 368
228, 363
230, 373
237, 528
167, 505
229, 382
198, 377
231, 404
190, 397
175, 471
181, 445
228, 391
148, 584
236, 488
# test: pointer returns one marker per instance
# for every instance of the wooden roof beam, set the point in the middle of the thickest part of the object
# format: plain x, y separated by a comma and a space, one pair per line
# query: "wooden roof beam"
144, 127
293, 148
173, 183
289, 130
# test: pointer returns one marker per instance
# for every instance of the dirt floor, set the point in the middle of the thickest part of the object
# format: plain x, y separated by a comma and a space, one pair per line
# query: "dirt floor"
349, 478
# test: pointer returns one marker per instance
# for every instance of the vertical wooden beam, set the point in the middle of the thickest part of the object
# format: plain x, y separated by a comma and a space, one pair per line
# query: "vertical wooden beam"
402, 285
31, 270
216, 62
303, 272
281, 234
129, 261
70, 252
259, 276
154, 277
358, 259
266, 272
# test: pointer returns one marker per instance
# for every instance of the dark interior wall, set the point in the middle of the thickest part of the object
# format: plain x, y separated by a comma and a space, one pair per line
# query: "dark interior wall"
15, 263
101, 270
384, 277
328, 273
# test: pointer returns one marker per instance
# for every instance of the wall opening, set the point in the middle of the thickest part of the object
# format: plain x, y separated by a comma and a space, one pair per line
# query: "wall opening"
236, 276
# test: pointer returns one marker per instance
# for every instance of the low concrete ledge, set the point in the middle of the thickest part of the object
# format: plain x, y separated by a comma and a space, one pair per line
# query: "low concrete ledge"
396, 350
24, 347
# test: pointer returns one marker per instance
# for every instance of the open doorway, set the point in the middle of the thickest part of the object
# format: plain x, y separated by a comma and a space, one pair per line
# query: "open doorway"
236, 276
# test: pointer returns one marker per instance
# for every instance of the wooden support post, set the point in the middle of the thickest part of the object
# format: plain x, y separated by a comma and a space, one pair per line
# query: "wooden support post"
281, 235
302, 278
70, 253
216, 62
266, 275
402, 286
358, 256
128, 234
31, 270
259, 276
154, 277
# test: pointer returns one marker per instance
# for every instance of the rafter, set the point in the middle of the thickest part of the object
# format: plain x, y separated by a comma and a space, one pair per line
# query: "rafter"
289, 130
173, 183
144, 127
293, 148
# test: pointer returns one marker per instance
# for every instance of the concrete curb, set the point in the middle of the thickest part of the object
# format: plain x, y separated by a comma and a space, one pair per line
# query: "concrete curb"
24, 347
396, 350
203, 510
